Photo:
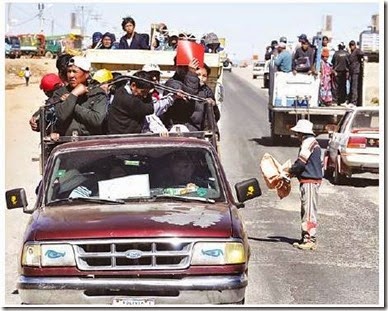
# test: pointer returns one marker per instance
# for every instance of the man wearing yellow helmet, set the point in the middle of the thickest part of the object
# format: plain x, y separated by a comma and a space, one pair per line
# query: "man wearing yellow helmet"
103, 76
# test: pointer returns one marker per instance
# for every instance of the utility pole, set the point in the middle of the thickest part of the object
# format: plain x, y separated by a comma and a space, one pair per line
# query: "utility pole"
9, 18
41, 9
82, 21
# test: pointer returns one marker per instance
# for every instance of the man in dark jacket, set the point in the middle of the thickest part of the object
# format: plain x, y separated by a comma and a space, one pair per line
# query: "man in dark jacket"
132, 40
130, 105
303, 59
82, 110
356, 59
271, 50
206, 92
308, 169
185, 111
340, 63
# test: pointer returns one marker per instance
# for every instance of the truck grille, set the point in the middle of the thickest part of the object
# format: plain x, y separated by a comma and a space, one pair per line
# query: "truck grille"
133, 254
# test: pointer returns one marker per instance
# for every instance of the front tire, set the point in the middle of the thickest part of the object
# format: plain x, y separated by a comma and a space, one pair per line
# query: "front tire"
328, 172
266, 81
48, 55
338, 178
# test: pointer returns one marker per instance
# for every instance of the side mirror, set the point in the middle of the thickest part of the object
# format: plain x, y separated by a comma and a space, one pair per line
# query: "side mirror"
247, 190
16, 198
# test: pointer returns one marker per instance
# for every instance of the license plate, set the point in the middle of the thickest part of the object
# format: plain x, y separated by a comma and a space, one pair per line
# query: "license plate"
133, 302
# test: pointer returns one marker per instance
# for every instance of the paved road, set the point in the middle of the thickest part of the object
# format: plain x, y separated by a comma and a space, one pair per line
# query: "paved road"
345, 268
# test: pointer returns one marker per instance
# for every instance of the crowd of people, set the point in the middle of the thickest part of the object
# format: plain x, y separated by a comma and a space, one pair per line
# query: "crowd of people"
83, 102
162, 39
336, 71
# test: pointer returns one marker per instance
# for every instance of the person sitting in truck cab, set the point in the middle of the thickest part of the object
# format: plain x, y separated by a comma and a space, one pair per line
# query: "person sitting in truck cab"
132, 40
82, 110
182, 169
130, 105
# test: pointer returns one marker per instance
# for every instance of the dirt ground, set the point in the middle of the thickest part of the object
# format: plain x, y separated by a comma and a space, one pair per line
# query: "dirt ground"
21, 153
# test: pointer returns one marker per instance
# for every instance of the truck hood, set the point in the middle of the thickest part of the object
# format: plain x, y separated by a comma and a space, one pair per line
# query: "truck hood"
132, 220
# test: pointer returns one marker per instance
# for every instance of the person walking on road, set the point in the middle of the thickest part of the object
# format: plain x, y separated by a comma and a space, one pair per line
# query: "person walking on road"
308, 169
27, 75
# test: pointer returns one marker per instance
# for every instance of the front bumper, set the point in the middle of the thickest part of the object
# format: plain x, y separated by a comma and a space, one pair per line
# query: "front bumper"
190, 290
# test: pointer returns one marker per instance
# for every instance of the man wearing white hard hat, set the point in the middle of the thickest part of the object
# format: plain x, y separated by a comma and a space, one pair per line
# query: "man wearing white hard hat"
82, 110
308, 169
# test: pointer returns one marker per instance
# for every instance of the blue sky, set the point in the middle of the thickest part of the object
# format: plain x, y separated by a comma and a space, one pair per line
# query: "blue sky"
247, 26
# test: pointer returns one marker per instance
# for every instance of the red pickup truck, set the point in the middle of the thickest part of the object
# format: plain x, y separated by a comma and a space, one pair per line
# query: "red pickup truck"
134, 221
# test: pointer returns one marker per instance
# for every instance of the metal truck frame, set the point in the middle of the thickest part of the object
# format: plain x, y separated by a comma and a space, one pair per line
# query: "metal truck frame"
293, 97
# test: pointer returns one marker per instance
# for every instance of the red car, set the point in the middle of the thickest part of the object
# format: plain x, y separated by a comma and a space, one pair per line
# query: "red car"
134, 221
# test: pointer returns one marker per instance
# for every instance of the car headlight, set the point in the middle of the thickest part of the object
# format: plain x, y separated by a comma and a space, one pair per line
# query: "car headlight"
218, 253
48, 255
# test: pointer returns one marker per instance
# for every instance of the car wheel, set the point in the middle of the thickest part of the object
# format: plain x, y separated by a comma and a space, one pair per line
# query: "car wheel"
276, 139
328, 172
254, 77
48, 54
338, 178
266, 82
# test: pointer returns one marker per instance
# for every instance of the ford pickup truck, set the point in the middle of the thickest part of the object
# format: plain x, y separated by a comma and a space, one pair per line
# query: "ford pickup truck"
134, 220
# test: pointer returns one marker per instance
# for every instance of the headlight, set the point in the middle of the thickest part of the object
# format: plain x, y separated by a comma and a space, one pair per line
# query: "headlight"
218, 253
48, 255
31, 255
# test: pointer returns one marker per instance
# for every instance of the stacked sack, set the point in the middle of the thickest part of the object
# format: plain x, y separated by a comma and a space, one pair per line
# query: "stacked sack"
275, 176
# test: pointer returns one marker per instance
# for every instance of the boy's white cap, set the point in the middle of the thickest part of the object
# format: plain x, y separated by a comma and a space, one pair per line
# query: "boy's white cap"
303, 126
151, 67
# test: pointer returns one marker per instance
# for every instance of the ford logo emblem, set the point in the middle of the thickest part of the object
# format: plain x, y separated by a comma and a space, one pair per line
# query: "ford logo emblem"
133, 254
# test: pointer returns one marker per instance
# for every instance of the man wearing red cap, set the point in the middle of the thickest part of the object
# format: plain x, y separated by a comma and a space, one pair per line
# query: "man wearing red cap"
49, 83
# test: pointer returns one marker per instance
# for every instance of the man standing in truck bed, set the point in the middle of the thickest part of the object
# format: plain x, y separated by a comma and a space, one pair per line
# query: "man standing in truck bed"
82, 110
340, 63
356, 59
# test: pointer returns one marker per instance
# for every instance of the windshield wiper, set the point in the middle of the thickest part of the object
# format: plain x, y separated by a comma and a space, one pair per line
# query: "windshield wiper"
86, 199
183, 198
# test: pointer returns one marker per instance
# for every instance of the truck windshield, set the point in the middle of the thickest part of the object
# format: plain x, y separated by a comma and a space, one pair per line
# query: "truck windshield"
135, 174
